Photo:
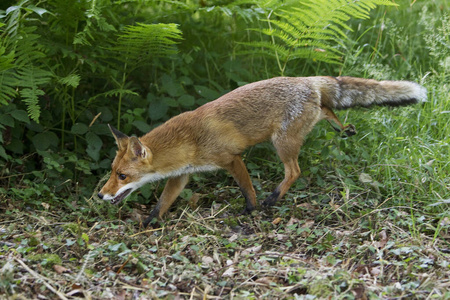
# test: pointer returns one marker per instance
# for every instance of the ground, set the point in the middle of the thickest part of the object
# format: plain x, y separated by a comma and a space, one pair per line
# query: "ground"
325, 246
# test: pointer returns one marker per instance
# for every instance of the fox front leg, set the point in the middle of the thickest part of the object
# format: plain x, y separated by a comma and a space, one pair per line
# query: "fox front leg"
171, 191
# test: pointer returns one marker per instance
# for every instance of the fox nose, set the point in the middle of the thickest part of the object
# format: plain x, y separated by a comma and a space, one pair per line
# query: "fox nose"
100, 195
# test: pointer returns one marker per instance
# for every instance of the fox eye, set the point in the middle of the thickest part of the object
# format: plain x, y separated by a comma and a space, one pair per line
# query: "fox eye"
122, 176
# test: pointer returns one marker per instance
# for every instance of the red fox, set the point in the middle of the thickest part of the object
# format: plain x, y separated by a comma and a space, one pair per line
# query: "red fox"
282, 109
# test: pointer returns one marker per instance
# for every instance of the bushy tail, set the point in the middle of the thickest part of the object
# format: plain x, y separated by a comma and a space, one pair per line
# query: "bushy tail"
352, 91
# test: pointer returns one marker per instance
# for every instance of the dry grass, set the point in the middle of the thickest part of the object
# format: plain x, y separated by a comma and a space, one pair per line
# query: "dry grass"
300, 250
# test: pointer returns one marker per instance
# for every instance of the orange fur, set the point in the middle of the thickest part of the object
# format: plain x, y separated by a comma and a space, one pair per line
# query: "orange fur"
283, 110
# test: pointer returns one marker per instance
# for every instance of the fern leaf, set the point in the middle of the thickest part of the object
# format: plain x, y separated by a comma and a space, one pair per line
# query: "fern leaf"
26, 77
31, 98
114, 93
72, 80
310, 29
145, 41
8, 81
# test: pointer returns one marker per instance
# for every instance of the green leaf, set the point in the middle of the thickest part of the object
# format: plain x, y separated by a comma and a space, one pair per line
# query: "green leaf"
174, 89
142, 126
20, 115
115, 247
157, 110
38, 10
186, 101
206, 92
106, 114
79, 128
3, 152
170, 102
85, 237
93, 140
11, 9
94, 145
7, 120
44, 140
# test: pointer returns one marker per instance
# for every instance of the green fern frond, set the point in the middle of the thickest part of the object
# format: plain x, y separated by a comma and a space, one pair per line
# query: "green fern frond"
310, 29
26, 77
72, 80
8, 81
145, 41
31, 98
114, 93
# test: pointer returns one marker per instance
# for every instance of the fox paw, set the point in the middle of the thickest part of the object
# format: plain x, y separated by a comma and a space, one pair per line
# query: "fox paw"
350, 130
272, 199
152, 221
247, 210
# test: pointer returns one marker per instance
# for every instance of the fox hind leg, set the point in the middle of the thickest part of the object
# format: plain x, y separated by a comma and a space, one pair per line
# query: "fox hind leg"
292, 172
287, 142
288, 148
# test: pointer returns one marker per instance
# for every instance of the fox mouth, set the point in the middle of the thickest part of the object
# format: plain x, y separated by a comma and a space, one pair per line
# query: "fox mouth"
116, 200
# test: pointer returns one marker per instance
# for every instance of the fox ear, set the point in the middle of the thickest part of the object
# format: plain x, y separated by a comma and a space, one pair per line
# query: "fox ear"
137, 149
121, 138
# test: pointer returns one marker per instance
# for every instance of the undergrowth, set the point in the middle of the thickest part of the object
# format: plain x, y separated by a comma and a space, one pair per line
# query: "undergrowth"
368, 219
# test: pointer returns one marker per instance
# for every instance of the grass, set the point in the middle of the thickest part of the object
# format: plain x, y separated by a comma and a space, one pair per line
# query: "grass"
368, 219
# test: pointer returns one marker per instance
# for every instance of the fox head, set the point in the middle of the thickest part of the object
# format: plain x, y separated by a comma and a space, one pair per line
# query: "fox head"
130, 169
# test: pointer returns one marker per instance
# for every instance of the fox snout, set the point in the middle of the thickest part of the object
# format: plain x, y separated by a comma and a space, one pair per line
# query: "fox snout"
100, 195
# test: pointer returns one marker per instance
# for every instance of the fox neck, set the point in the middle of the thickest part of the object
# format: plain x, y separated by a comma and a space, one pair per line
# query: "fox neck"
173, 150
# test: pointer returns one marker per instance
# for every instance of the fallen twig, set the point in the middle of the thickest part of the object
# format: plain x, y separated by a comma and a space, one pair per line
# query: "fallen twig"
41, 278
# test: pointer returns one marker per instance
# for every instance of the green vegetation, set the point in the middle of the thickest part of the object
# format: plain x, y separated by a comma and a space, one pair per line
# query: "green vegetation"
368, 219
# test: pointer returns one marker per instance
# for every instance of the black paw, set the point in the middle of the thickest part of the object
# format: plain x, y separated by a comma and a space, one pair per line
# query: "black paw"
152, 221
247, 210
272, 199
350, 130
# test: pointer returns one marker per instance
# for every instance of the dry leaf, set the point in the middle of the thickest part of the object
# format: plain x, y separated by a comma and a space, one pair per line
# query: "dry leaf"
266, 280
340, 234
60, 269
254, 249
384, 238
375, 271
276, 221
308, 224
334, 205
365, 178
233, 238
229, 272
306, 205
77, 290
359, 292
207, 260
122, 295
193, 201
137, 215
292, 221
445, 221
282, 237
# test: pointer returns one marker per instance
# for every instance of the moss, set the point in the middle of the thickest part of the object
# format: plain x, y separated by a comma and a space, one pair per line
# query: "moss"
320, 288
231, 221
46, 259
73, 228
